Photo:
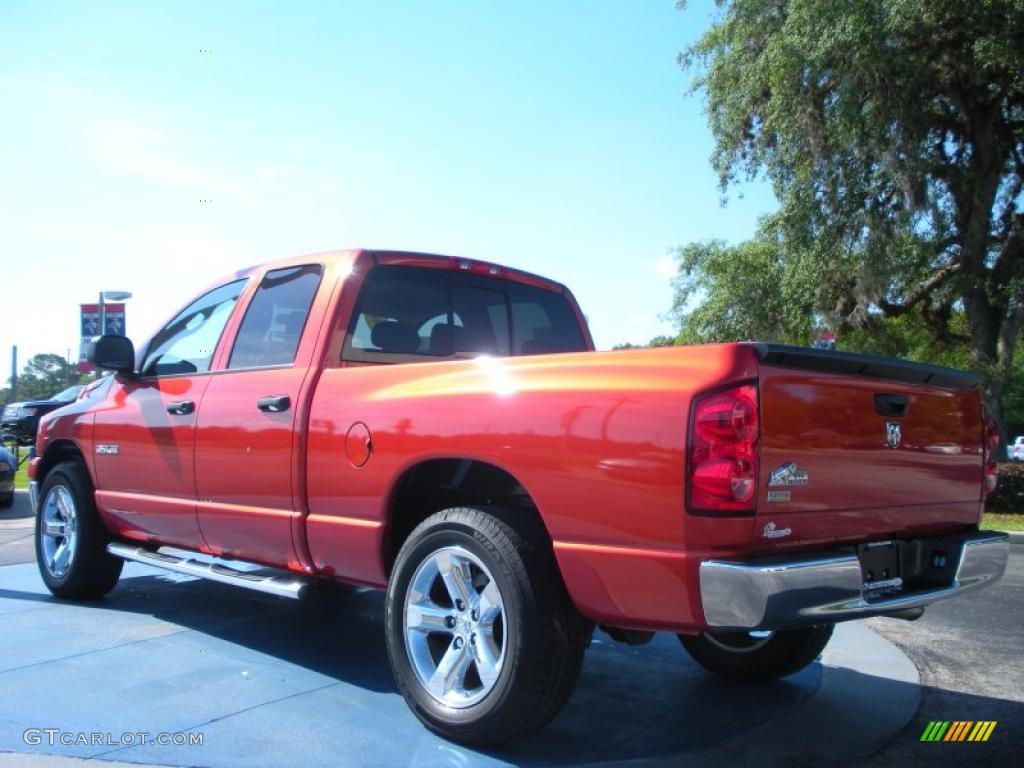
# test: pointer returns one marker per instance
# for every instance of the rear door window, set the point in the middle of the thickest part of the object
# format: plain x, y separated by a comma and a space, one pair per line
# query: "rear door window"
270, 332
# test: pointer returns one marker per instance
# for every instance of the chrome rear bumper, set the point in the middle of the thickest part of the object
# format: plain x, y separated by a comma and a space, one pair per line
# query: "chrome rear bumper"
817, 590
33, 495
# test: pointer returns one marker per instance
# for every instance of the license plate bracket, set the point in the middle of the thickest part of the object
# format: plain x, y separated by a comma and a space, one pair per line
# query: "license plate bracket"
880, 566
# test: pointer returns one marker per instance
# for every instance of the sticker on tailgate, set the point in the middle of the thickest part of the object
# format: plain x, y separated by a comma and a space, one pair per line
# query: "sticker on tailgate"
787, 474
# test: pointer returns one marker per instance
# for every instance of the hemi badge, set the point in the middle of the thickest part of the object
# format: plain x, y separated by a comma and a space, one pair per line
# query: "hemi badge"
106, 450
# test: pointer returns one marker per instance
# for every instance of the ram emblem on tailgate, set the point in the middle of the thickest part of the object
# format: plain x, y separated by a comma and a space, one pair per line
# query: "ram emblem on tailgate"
893, 434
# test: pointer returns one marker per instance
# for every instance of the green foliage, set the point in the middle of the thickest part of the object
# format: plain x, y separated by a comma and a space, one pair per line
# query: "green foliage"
663, 341
744, 292
1008, 497
44, 375
892, 132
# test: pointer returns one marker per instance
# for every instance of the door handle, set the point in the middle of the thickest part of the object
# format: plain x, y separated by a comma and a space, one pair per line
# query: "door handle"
274, 403
181, 408
891, 405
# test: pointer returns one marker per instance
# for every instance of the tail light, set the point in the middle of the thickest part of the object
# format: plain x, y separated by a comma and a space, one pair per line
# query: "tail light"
724, 429
991, 444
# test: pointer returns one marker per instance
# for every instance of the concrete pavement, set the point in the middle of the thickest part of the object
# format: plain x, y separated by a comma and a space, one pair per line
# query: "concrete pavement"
970, 652
268, 681
16, 531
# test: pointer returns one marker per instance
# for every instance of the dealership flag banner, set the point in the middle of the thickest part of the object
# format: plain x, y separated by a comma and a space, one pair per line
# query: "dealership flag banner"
91, 328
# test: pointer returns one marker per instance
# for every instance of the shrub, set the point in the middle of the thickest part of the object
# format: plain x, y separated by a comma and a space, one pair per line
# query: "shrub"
1008, 497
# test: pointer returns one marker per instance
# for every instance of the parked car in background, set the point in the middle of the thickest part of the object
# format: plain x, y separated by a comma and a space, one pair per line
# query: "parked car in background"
8, 466
1015, 452
21, 420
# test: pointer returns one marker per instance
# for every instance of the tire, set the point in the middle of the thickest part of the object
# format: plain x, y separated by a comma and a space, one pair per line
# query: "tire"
750, 656
520, 652
6, 502
67, 518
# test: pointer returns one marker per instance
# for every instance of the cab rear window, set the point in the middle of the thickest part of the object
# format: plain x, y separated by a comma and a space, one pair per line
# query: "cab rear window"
409, 314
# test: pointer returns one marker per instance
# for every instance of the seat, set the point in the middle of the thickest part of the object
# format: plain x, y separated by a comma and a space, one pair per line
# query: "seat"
395, 337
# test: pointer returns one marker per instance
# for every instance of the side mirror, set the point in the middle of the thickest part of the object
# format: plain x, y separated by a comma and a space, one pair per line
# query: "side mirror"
114, 353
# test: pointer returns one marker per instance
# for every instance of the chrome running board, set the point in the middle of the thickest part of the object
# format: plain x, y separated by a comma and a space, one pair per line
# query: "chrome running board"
282, 584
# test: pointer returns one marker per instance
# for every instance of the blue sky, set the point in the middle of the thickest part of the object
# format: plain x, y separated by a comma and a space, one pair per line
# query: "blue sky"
556, 137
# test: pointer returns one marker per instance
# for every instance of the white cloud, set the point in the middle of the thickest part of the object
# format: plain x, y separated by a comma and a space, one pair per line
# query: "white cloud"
666, 267
272, 172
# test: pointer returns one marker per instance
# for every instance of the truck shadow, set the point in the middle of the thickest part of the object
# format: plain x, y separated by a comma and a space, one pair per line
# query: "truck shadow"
649, 702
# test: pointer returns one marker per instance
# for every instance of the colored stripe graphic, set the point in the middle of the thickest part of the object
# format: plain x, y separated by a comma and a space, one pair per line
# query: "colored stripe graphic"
982, 730
935, 730
959, 730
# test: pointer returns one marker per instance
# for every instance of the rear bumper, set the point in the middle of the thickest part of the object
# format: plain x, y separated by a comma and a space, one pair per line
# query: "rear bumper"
33, 495
797, 591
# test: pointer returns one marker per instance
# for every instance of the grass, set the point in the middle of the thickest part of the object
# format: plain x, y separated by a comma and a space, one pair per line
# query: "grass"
21, 477
993, 522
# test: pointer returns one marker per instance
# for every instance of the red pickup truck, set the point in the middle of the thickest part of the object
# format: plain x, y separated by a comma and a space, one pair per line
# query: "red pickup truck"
444, 429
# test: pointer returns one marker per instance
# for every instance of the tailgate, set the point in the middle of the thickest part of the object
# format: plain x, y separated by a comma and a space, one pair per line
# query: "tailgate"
856, 447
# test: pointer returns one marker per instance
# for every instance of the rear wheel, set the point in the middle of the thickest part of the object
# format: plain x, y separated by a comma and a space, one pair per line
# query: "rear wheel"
757, 655
484, 642
71, 542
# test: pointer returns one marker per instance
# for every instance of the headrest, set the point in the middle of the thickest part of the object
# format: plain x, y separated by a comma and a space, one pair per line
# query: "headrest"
393, 336
446, 339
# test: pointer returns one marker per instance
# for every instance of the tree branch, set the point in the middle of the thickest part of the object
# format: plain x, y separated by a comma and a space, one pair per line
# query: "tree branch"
923, 291
937, 318
1010, 254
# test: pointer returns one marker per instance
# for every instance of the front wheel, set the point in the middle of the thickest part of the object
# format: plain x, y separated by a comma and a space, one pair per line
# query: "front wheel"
757, 655
483, 641
71, 541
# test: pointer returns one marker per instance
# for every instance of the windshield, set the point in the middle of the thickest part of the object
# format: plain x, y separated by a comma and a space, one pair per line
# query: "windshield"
67, 394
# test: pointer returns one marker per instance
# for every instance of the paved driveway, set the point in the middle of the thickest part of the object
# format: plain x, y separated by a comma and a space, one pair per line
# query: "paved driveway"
970, 653
16, 531
270, 681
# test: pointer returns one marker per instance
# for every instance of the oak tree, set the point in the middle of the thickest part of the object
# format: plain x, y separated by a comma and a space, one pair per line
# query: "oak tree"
892, 132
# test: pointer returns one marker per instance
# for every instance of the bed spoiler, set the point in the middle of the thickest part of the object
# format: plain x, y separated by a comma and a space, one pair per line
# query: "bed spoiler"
871, 366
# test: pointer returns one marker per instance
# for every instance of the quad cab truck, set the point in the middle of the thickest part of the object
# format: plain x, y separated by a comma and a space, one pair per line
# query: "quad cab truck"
443, 429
